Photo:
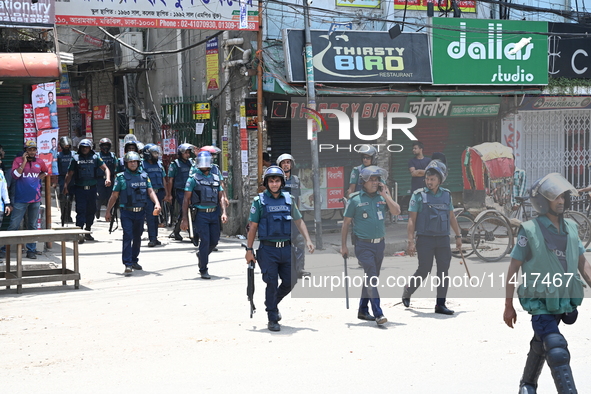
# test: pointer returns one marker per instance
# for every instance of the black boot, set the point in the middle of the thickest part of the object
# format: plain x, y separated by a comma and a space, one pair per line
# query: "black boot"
406, 297
558, 359
533, 368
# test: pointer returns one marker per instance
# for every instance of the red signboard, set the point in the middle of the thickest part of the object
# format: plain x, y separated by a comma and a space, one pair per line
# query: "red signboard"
64, 102
101, 112
42, 118
335, 177
83, 105
334, 198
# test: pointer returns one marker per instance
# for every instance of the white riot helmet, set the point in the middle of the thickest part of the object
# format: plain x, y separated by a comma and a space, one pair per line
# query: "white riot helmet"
436, 167
286, 156
548, 189
370, 171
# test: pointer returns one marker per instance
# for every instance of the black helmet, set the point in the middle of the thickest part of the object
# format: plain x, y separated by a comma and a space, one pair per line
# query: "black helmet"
274, 171
128, 144
369, 150
548, 189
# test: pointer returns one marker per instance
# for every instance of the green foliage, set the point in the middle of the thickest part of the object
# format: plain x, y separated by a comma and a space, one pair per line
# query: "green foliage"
567, 86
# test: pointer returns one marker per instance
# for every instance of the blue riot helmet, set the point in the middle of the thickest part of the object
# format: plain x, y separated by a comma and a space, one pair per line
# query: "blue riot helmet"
547, 189
370, 171
436, 167
129, 144
369, 150
184, 147
204, 160
274, 171
151, 151
85, 142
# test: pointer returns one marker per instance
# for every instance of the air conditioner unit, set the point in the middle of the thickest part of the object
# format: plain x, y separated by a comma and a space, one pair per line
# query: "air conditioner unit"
124, 57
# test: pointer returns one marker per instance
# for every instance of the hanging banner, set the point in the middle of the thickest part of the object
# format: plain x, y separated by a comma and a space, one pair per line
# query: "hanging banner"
29, 123
169, 146
100, 112
65, 102
89, 125
251, 113
438, 5
198, 14
83, 103
47, 148
44, 105
63, 87
212, 64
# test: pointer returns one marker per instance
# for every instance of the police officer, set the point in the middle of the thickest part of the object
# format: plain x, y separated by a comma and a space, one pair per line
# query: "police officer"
83, 169
369, 157
130, 145
155, 170
430, 215
271, 214
215, 169
64, 157
104, 192
203, 191
178, 173
293, 187
548, 247
367, 211
133, 189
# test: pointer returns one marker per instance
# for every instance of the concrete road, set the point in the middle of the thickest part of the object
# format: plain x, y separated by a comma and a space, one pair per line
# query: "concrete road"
166, 330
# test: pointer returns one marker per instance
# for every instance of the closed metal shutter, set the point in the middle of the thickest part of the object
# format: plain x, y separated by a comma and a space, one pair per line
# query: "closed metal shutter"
11, 121
63, 116
102, 94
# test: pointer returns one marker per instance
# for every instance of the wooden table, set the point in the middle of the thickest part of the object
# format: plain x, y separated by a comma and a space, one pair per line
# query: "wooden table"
20, 238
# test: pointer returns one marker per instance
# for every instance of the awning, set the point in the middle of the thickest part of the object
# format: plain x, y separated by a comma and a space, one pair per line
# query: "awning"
36, 67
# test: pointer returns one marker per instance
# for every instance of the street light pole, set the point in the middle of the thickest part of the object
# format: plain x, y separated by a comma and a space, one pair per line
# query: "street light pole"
314, 141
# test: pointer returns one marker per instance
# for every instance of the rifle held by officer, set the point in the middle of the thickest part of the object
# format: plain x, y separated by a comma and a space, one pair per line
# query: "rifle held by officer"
114, 217
250, 285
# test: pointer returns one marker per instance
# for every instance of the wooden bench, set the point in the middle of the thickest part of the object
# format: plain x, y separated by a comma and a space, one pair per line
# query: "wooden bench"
20, 238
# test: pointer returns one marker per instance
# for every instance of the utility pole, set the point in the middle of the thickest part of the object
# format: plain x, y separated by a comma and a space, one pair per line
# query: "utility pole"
314, 141
260, 103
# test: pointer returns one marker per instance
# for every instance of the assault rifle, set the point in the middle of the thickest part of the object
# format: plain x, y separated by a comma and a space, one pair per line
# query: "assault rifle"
114, 217
250, 285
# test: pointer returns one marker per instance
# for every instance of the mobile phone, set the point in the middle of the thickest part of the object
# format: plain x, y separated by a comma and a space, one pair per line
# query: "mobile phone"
380, 188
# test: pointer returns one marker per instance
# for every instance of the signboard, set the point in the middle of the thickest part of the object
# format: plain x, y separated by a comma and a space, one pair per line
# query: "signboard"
251, 113
197, 14
360, 57
568, 56
555, 103
449, 107
47, 148
29, 123
83, 103
201, 111
169, 146
359, 3
477, 52
26, 13
64, 102
45, 106
421, 5
100, 112
63, 87
332, 183
212, 64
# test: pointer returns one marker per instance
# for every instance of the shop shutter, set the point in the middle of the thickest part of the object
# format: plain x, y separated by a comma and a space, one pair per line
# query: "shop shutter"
11, 119
63, 121
103, 94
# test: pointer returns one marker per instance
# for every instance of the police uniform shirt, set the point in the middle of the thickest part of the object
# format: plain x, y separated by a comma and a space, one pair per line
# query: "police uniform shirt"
521, 250
121, 185
355, 175
256, 212
91, 181
416, 201
214, 168
368, 213
191, 183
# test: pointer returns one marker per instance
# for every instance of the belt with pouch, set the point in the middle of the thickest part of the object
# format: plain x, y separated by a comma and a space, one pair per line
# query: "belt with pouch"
86, 187
371, 240
276, 244
207, 209
133, 209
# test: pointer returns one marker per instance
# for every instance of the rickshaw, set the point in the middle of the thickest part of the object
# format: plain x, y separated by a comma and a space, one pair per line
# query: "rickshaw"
487, 171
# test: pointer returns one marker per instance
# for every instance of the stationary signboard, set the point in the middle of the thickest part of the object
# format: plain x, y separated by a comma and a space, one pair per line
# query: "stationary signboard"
26, 13
479, 52
360, 57
569, 55
195, 14
438, 5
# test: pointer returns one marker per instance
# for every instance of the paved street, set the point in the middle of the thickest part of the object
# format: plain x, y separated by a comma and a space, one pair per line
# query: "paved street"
165, 329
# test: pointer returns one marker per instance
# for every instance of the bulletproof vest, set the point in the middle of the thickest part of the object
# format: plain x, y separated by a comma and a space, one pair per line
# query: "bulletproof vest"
276, 220
63, 162
359, 184
556, 243
154, 171
136, 190
86, 166
433, 219
292, 186
110, 161
182, 173
206, 190
215, 169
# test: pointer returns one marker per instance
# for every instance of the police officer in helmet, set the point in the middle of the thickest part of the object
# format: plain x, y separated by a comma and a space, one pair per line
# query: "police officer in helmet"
548, 247
203, 192
133, 189
64, 157
293, 187
104, 192
369, 157
83, 169
271, 214
130, 145
155, 170
430, 215
367, 212
178, 174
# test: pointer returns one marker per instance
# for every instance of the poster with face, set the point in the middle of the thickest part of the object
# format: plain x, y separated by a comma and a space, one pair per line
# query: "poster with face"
43, 96
47, 148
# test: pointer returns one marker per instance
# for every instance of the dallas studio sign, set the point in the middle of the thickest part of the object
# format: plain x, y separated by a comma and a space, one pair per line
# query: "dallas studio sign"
359, 57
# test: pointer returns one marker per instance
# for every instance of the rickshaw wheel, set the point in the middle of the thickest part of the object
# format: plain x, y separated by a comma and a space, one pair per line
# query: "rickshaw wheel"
583, 224
466, 223
492, 238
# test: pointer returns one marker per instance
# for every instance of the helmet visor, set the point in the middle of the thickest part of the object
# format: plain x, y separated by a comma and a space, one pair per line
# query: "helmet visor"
204, 161
370, 171
553, 185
